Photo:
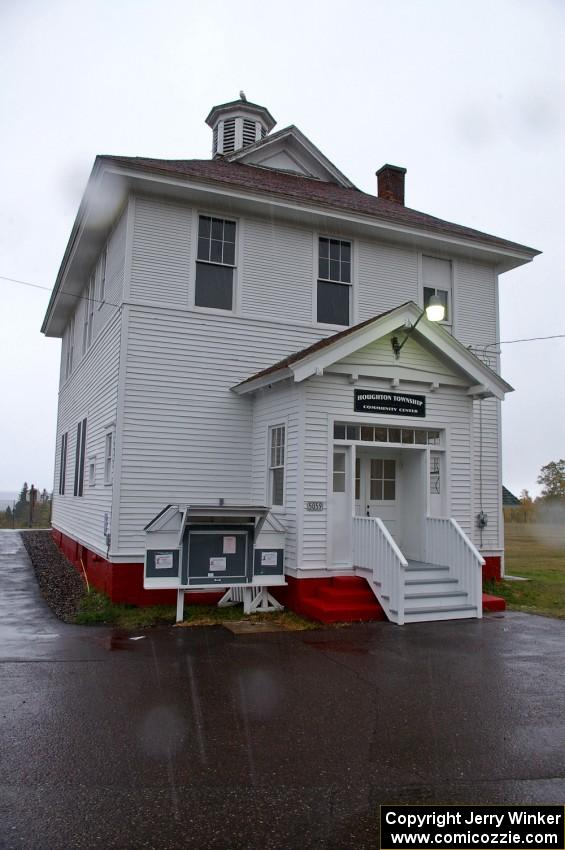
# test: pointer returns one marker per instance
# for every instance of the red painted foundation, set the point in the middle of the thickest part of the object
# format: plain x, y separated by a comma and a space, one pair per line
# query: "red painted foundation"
492, 570
123, 582
327, 600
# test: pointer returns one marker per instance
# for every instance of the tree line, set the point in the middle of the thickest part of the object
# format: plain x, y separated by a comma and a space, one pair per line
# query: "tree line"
32, 509
549, 505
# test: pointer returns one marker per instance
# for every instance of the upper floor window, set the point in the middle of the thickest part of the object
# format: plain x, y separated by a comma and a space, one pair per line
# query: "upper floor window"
70, 348
276, 465
215, 263
88, 315
101, 270
436, 275
108, 456
334, 281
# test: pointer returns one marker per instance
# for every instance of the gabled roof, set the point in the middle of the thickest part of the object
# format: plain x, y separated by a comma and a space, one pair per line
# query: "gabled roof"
291, 137
508, 498
310, 191
315, 358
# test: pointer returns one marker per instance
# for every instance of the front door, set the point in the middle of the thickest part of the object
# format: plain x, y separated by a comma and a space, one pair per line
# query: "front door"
378, 490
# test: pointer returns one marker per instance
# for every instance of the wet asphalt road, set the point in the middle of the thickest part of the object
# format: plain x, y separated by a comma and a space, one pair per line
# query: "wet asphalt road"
197, 738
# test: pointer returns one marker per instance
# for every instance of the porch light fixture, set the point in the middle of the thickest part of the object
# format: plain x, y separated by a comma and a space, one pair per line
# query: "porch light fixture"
434, 312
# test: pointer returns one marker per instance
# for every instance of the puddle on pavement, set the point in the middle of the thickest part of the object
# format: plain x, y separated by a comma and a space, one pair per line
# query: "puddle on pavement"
115, 642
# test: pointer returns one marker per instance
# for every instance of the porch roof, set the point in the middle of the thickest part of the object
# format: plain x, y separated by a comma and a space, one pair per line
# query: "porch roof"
312, 360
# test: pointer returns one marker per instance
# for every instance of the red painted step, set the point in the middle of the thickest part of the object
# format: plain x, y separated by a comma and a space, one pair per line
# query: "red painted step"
493, 603
343, 599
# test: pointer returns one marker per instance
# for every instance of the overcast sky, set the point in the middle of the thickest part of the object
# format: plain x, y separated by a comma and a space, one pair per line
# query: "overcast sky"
467, 96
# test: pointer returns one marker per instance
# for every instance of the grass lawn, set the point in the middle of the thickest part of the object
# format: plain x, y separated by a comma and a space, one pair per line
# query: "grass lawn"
96, 607
537, 552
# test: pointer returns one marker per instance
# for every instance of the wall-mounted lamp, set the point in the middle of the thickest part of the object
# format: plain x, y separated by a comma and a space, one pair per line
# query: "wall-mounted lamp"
434, 312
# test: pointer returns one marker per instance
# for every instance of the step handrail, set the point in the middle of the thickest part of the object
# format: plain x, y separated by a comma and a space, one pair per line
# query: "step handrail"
448, 545
375, 549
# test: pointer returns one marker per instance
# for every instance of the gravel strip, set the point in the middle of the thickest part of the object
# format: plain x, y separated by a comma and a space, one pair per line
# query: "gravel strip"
60, 584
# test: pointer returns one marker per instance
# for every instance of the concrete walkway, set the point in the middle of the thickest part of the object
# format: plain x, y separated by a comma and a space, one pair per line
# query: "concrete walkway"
202, 739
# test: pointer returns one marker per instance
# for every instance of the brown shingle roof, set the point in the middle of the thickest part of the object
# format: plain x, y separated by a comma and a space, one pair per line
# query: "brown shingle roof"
310, 190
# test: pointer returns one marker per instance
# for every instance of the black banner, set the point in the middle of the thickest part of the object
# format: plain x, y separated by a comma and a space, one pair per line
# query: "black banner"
391, 404
477, 827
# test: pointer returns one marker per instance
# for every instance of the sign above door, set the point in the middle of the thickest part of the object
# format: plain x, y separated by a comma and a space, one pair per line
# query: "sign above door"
391, 404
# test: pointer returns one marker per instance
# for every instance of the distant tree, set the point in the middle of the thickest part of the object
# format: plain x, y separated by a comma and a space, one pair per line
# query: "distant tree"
552, 479
527, 507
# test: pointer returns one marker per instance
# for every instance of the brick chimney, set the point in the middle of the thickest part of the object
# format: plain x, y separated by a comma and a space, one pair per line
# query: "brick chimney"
390, 180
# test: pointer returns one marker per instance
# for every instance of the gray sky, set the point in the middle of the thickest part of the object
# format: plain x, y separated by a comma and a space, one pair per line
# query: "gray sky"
468, 97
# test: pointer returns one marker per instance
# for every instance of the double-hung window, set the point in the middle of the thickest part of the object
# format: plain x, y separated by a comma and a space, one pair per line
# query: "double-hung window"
276, 465
108, 457
88, 316
436, 275
334, 282
70, 348
215, 263
79, 458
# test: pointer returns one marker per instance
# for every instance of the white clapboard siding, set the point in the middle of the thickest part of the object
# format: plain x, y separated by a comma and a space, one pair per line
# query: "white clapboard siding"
487, 472
277, 406
387, 276
413, 356
90, 393
277, 268
160, 268
475, 303
186, 436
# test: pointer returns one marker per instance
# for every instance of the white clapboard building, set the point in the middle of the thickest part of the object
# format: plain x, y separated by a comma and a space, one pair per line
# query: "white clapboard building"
249, 329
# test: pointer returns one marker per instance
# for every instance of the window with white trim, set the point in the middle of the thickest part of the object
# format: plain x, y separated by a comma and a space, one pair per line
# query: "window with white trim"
101, 271
70, 348
92, 471
436, 275
108, 457
339, 472
88, 315
276, 464
215, 263
333, 296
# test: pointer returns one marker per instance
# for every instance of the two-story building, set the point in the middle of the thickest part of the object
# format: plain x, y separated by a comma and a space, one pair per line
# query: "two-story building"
248, 329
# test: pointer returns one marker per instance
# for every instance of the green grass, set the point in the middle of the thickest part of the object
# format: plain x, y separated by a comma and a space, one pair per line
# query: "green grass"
96, 607
534, 551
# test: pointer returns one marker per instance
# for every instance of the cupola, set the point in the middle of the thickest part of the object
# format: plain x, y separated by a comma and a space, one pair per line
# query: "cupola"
238, 124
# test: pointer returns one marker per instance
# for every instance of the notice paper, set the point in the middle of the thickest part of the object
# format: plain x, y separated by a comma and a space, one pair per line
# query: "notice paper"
217, 565
229, 546
163, 560
268, 559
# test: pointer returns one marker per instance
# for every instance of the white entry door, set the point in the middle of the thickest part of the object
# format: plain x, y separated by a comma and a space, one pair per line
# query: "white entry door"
379, 491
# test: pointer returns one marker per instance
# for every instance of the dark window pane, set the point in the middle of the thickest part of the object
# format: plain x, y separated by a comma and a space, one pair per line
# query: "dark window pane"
380, 435
346, 272
324, 248
353, 432
345, 252
229, 253
376, 490
428, 292
334, 249
389, 468
203, 249
324, 270
213, 286
339, 482
339, 432
229, 231
421, 437
394, 435
217, 228
334, 270
389, 491
215, 251
367, 433
278, 486
204, 229
333, 303
407, 435
376, 468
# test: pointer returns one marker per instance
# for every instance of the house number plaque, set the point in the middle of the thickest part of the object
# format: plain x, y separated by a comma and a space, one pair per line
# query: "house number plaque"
315, 506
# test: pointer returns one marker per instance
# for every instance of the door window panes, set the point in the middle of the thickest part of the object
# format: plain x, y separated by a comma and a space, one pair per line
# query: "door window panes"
382, 480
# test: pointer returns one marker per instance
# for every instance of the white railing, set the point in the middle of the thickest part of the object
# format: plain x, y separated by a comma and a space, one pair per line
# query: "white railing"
374, 549
448, 545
